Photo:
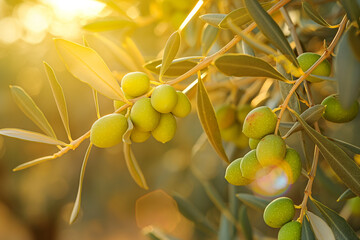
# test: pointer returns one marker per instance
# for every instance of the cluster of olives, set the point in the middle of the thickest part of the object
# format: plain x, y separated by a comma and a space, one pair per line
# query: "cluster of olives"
268, 150
279, 214
230, 120
150, 116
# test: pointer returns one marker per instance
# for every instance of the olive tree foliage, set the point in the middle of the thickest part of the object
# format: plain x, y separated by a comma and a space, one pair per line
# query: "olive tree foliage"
250, 48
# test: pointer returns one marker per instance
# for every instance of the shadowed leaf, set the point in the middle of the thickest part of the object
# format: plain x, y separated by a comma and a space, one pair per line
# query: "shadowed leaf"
351, 147
314, 15
108, 25
126, 137
306, 231
170, 51
224, 229
33, 163
208, 38
30, 136
213, 18
321, 229
253, 201
133, 167
348, 194
352, 9
245, 223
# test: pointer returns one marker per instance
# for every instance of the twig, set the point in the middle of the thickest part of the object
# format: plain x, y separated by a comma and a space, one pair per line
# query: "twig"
292, 30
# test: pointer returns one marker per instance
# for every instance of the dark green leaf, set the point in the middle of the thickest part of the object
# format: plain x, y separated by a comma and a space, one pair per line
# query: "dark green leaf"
338, 225
108, 25
30, 136
270, 29
208, 120
133, 166
170, 51
314, 15
208, 38
306, 231
213, 18
241, 65
348, 194
351, 147
321, 229
224, 229
352, 9
346, 169
245, 223
347, 70
253, 201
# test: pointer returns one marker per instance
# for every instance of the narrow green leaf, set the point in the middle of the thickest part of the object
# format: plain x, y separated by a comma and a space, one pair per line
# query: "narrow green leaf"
252, 201
31, 110
86, 65
310, 115
352, 9
270, 29
126, 137
351, 147
170, 51
306, 231
345, 168
224, 229
30, 136
347, 69
208, 120
348, 194
314, 15
321, 229
33, 163
245, 223
59, 98
109, 24
340, 228
241, 16
208, 38
242, 65
133, 167
213, 18
77, 204
192, 213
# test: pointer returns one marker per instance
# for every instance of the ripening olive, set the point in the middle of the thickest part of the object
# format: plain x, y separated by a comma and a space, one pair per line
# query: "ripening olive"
291, 165
135, 84
139, 136
164, 98
108, 130
118, 104
233, 174
242, 111
144, 117
306, 60
166, 128
279, 211
225, 116
253, 143
241, 140
334, 112
230, 134
259, 122
271, 150
250, 165
290, 231
183, 105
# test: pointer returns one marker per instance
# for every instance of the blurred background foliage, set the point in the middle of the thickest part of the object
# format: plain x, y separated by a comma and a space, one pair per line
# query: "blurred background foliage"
36, 203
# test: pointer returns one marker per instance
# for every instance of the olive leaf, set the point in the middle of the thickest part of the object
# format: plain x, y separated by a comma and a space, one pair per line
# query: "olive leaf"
245, 223
33, 162
208, 38
306, 231
224, 232
126, 137
340, 228
86, 65
77, 204
252, 201
314, 15
31, 110
352, 9
30, 136
351, 147
213, 18
348, 194
133, 167
246, 48
108, 24
321, 229
170, 51
345, 168
178, 67
59, 98
208, 120
242, 65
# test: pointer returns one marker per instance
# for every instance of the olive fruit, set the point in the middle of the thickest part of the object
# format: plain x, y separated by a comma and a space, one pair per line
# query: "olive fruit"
164, 98
139, 136
242, 111
354, 204
250, 165
259, 122
271, 150
144, 117
135, 84
183, 105
166, 128
306, 60
233, 174
278, 212
334, 112
225, 116
108, 130
230, 134
290, 231
241, 141
291, 165
118, 104
253, 143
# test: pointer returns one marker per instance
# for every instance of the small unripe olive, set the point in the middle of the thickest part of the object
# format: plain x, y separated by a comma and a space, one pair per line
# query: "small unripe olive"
271, 150
166, 128
253, 143
164, 98
233, 174
135, 84
241, 140
279, 211
225, 116
334, 112
118, 104
290, 231
250, 165
291, 165
242, 111
230, 134
139, 136
354, 204
306, 60
183, 105
144, 117
259, 122
108, 130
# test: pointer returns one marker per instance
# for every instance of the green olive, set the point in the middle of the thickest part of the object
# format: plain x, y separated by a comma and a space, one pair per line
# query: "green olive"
250, 165
241, 140
334, 112
291, 165
144, 117
135, 84
233, 174
166, 128
279, 211
242, 111
259, 122
306, 60
271, 150
253, 143
118, 104
230, 134
290, 231
139, 136
182, 107
225, 116
164, 98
